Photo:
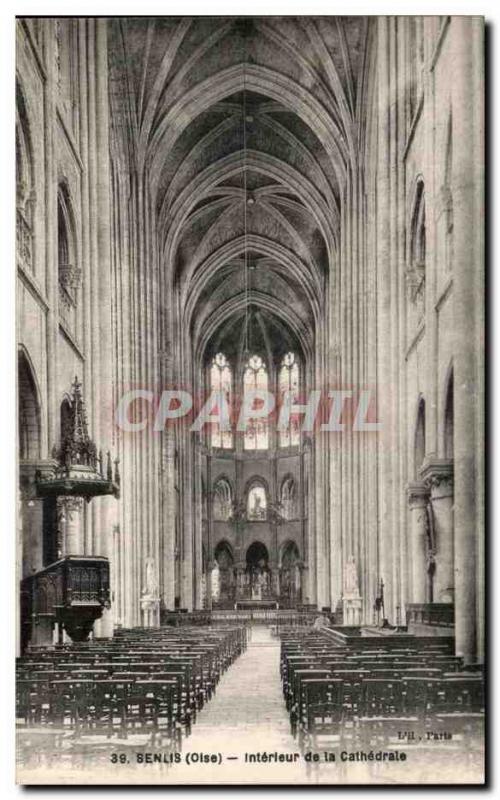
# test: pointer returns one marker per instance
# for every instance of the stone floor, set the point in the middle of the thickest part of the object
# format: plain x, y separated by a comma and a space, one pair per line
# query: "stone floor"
246, 716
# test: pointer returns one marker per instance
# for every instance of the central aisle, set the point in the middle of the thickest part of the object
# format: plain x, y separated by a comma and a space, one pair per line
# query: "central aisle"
247, 715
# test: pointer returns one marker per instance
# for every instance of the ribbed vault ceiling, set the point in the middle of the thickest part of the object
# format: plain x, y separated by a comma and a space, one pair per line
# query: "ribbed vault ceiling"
203, 107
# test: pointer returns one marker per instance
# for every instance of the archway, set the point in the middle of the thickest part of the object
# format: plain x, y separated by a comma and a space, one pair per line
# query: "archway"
25, 184
257, 572
28, 411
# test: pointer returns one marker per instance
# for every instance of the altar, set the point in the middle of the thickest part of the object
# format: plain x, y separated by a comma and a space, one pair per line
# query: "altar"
255, 605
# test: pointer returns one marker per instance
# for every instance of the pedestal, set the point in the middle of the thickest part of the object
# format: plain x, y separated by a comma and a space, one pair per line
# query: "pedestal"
150, 610
352, 610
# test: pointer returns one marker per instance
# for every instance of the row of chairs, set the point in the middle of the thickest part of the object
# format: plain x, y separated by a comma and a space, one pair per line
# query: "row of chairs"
387, 696
144, 687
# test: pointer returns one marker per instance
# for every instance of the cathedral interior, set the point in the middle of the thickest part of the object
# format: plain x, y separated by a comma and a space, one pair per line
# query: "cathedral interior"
221, 204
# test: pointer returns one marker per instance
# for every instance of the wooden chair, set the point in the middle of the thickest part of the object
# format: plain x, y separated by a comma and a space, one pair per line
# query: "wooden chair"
320, 720
383, 716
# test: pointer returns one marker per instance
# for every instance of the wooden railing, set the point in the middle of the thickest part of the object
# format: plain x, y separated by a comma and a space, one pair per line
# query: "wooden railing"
266, 616
180, 618
435, 614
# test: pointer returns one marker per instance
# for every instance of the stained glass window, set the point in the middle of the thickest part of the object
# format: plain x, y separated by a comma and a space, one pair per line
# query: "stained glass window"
257, 503
256, 436
220, 383
222, 501
289, 384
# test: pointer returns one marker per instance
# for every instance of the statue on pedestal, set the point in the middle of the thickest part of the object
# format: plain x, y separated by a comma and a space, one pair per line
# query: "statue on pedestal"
150, 599
352, 603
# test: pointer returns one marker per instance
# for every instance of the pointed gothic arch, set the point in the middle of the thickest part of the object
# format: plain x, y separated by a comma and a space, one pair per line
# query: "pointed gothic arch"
29, 410
222, 500
25, 184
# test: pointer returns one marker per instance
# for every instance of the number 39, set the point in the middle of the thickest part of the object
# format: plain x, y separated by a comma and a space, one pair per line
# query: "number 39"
118, 758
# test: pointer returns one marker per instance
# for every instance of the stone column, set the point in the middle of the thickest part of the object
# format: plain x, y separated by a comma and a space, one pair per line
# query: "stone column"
208, 586
69, 515
31, 510
117, 587
209, 534
438, 474
187, 529
29, 547
240, 581
275, 579
50, 233
467, 95
199, 451
418, 497
306, 585
385, 320
106, 516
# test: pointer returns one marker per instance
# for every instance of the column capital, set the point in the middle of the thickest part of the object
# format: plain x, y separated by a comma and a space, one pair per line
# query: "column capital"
418, 494
437, 474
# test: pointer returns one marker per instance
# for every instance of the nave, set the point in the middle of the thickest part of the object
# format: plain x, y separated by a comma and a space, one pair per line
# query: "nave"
248, 704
